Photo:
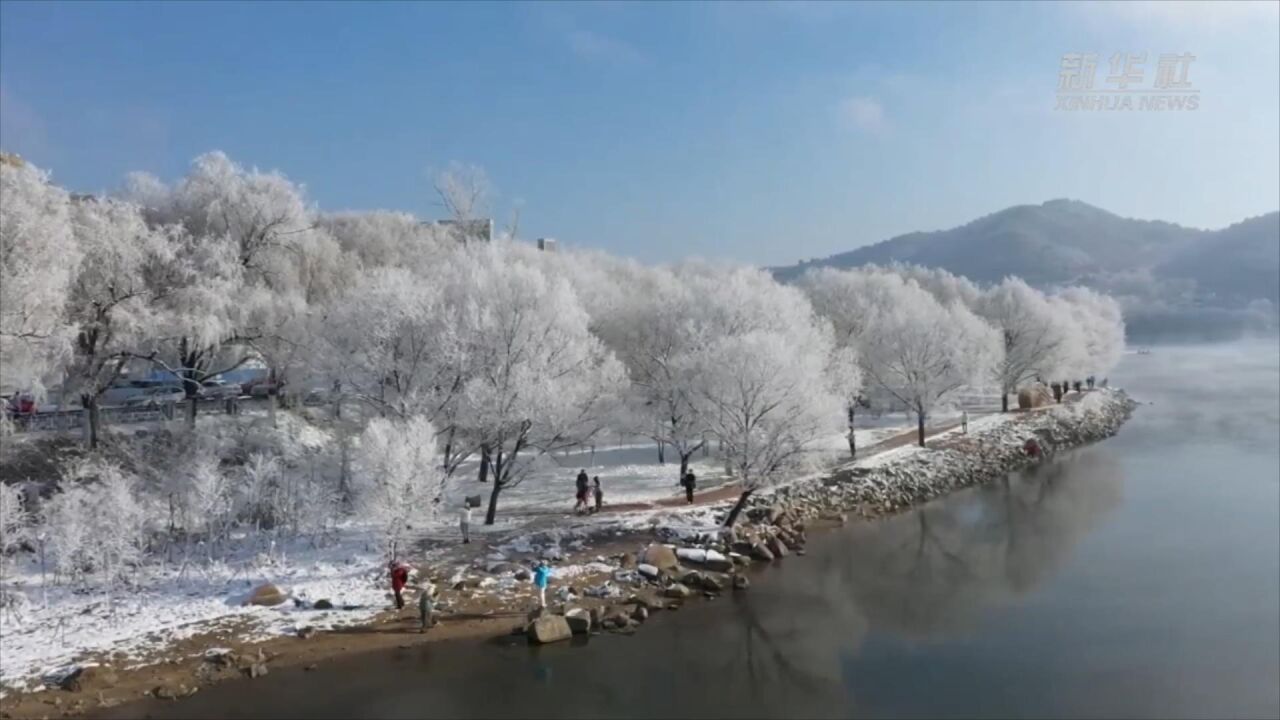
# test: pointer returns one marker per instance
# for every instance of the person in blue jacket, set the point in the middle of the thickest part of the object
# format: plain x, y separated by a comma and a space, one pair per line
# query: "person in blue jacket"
541, 578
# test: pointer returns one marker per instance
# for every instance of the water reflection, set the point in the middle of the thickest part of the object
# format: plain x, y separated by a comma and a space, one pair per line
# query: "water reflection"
930, 571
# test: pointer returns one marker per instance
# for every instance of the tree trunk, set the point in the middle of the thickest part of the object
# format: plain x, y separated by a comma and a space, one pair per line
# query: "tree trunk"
93, 415
853, 441
192, 407
737, 508
484, 463
662, 453
920, 428
1004, 402
492, 513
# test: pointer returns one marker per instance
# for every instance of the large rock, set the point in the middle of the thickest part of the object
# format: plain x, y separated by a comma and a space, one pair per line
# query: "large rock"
777, 547
323, 604
649, 571
661, 557
267, 595
549, 629
760, 552
740, 582
579, 620
1034, 397
676, 590
712, 582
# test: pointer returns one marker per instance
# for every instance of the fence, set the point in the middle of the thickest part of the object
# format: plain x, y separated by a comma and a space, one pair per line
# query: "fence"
62, 421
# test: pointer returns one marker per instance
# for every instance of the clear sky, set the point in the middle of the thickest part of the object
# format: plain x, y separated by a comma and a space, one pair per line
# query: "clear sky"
765, 133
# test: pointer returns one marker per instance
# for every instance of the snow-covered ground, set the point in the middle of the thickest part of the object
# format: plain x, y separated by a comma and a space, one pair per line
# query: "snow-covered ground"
55, 626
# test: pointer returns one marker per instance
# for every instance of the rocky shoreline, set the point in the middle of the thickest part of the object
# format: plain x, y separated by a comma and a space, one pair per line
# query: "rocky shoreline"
775, 524
624, 576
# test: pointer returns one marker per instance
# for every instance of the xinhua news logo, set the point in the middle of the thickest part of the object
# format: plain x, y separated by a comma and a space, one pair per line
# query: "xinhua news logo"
1125, 87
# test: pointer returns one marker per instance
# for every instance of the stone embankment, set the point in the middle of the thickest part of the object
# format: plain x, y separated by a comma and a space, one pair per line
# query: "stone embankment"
776, 524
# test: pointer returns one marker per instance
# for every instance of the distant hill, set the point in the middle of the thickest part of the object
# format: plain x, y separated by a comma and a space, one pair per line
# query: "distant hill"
1171, 279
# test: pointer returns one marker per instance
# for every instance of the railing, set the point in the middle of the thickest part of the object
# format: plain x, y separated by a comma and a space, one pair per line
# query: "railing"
67, 420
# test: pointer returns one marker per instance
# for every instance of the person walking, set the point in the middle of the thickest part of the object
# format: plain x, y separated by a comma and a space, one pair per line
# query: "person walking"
583, 485
598, 491
426, 603
689, 481
542, 578
399, 578
464, 521
964, 421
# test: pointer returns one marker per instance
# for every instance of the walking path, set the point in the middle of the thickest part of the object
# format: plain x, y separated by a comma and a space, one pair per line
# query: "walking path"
731, 490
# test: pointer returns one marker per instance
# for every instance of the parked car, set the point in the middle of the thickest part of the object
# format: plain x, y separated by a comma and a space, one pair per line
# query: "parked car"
219, 389
156, 396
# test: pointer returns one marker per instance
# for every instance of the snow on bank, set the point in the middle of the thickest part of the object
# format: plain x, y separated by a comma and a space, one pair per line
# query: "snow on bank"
58, 625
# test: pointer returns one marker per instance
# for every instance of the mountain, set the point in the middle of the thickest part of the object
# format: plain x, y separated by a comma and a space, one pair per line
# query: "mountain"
1171, 279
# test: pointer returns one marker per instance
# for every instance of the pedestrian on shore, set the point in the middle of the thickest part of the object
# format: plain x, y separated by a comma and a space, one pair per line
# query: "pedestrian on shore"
542, 578
426, 603
464, 521
599, 492
964, 421
690, 481
399, 578
583, 488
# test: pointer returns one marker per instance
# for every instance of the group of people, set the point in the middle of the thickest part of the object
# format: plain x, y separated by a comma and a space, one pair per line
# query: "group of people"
426, 593
587, 489
427, 590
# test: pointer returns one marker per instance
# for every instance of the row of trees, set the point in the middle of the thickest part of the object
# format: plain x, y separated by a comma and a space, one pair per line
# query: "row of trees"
494, 352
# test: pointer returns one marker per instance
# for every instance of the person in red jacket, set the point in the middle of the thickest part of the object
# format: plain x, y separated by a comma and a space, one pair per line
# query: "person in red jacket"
399, 578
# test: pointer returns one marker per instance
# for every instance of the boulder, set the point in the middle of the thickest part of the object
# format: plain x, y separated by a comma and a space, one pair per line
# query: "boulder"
712, 582
777, 547
627, 560
649, 571
523, 574
640, 614
267, 595
761, 553
549, 629
323, 605
718, 562
693, 579
1035, 396
740, 582
579, 620
676, 590
306, 632
660, 556
696, 555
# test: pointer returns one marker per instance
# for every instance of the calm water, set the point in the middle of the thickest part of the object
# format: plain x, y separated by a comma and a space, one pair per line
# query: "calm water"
1136, 577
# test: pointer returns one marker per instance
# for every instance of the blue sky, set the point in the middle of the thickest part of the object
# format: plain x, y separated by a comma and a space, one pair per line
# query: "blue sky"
765, 133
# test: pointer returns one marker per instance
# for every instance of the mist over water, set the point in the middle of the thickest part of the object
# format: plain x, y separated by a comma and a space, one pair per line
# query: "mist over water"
1136, 577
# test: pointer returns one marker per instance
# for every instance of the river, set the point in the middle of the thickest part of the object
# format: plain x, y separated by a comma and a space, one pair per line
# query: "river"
1136, 577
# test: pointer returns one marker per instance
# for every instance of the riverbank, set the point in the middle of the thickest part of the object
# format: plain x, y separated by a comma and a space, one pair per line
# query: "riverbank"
599, 558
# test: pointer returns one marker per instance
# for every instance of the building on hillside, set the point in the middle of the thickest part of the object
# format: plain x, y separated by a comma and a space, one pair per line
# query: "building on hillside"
547, 244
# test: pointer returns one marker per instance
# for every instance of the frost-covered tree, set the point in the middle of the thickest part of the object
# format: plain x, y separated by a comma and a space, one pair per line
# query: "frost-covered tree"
38, 259
768, 396
920, 351
1101, 324
385, 239
539, 380
14, 519
97, 523
114, 296
1031, 335
397, 477
464, 191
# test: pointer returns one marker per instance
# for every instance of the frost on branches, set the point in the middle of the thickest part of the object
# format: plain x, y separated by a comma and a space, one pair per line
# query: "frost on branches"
397, 480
